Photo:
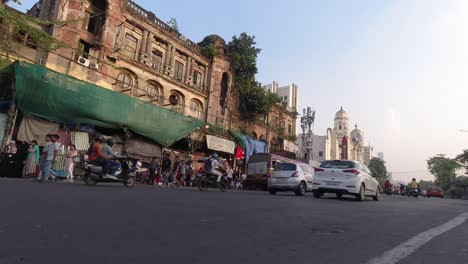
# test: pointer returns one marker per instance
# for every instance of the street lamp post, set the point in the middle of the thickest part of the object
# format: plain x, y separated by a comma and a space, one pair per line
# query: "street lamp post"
307, 122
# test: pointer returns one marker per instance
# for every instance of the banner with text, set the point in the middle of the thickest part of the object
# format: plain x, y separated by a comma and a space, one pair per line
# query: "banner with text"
220, 144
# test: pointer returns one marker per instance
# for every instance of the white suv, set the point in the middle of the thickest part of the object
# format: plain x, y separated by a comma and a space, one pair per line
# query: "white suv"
291, 177
345, 177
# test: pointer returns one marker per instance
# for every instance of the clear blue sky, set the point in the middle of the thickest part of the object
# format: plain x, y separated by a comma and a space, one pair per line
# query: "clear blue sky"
398, 67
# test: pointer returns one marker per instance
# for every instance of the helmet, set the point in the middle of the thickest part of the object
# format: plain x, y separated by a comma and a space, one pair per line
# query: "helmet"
214, 156
414, 179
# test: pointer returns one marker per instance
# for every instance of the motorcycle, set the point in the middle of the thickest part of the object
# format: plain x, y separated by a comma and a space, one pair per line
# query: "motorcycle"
206, 180
93, 174
414, 193
388, 191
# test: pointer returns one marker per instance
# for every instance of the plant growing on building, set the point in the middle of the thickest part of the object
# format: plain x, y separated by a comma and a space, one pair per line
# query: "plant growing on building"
173, 23
254, 102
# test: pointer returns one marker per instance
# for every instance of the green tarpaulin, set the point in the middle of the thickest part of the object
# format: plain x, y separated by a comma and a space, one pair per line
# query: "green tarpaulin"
57, 97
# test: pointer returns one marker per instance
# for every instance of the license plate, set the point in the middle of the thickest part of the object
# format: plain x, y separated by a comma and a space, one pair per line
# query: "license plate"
332, 183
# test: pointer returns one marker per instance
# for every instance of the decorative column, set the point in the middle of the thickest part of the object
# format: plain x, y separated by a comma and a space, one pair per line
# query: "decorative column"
149, 44
142, 47
188, 76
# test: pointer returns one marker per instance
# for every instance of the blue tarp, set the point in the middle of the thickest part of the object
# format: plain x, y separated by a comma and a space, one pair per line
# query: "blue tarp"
253, 146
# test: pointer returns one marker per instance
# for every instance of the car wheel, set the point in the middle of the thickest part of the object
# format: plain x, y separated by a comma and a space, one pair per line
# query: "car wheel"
339, 195
271, 191
318, 195
302, 189
376, 197
362, 194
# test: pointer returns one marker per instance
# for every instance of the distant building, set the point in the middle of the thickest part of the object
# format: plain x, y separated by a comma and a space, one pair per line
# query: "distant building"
287, 94
380, 155
368, 154
319, 148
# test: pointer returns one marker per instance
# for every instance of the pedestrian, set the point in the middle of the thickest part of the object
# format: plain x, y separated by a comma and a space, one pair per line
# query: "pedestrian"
153, 169
236, 180
166, 169
49, 158
9, 160
229, 174
175, 171
188, 173
32, 160
71, 155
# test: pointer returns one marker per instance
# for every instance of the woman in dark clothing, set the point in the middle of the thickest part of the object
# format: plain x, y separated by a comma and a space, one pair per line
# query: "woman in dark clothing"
9, 166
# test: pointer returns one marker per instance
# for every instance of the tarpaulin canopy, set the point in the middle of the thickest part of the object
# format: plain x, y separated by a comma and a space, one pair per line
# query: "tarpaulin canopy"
58, 97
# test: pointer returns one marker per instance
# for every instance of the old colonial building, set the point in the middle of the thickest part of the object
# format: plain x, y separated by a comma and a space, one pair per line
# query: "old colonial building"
119, 45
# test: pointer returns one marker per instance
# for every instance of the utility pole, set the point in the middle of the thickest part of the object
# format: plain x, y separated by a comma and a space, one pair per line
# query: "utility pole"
307, 124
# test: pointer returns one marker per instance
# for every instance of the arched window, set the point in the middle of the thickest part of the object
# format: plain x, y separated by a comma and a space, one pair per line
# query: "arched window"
154, 90
176, 100
124, 81
195, 108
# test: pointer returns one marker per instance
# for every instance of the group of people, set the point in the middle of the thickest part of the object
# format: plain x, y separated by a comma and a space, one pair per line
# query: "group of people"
173, 172
29, 160
170, 172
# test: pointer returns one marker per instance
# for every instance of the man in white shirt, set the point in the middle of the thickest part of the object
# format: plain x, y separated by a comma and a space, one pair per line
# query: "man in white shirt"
50, 156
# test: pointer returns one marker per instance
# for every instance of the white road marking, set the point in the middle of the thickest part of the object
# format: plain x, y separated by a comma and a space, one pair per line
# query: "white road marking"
405, 249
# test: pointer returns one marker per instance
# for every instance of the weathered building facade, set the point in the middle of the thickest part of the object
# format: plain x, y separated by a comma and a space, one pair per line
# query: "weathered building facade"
118, 45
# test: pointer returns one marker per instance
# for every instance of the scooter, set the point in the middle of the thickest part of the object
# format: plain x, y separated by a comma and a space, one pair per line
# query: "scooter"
93, 174
414, 193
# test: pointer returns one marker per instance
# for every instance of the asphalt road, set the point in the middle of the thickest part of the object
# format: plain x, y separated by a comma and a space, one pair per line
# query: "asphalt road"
73, 223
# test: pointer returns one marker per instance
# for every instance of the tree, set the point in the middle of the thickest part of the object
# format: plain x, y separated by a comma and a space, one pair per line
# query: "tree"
378, 169
444, 169
463, 159
254, 102
462, 182
174, 24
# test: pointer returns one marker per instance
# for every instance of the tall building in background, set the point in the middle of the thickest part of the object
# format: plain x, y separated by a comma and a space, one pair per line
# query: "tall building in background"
380, 155
287, 94
368, 154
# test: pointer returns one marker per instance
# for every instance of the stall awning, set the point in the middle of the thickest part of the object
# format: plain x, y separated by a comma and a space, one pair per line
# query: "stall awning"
58, 97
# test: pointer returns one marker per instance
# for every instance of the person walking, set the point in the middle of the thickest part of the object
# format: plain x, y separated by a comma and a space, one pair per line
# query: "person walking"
70, 162
229, 174
32, 161
153, 169
50, 157
175, 176
166, 169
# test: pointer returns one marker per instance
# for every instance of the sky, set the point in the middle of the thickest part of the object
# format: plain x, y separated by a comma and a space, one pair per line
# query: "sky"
396, 66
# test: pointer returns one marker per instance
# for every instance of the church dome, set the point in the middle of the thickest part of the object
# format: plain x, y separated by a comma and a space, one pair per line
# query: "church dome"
342, 114
357, 133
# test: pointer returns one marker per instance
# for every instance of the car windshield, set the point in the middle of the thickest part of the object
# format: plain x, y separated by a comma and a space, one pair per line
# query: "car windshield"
434, 189
285, 167
337, 164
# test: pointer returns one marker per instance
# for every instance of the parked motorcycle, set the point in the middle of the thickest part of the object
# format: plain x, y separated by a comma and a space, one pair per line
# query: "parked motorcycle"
93, 174
206, 180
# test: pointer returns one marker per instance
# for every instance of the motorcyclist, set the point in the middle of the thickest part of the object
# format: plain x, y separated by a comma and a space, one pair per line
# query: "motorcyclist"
414, 184
98, 157
106, 148
387, 186
211, 166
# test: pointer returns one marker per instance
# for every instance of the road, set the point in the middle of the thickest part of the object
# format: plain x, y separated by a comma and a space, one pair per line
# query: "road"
73, 223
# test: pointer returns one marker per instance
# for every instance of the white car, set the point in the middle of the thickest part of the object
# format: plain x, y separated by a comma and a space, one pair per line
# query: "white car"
289, 176
345, 177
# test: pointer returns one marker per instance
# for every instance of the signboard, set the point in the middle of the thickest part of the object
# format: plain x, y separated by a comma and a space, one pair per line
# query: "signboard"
219, 144
290, 146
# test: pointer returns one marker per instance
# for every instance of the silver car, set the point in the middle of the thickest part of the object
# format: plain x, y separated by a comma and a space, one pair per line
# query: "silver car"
294, 177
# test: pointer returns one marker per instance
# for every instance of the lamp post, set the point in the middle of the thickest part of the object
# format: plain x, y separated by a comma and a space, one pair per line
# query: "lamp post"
307, 123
